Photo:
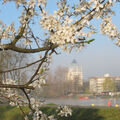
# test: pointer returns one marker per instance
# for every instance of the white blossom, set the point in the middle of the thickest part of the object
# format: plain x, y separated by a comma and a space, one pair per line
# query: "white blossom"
31, 3
27, 42
26, 118
64, 111
51, 117
108, 28
42, 3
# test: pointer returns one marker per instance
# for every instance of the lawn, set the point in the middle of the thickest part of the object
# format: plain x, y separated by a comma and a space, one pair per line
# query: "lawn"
13, 113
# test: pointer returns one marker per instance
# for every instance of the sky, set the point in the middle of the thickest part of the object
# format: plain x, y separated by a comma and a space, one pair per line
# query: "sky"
96, 59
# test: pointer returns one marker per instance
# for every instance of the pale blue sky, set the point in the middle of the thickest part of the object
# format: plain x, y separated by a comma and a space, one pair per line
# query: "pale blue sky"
100, 57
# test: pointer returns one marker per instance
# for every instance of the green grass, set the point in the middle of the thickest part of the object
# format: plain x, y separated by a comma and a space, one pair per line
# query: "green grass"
13, 113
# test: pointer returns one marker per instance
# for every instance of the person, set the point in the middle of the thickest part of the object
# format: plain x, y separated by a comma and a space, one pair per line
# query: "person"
109, 103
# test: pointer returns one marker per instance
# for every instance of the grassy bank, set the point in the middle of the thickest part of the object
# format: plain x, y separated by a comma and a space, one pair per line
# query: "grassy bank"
13, 113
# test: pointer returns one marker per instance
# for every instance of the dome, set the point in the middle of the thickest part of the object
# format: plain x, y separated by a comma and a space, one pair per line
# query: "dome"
75, 67
74, 62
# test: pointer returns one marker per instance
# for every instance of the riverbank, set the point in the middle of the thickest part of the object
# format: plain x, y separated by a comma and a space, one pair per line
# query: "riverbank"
91, 113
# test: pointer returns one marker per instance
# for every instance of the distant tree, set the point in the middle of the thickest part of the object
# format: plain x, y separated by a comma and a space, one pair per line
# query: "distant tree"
108, 85
56, 82
10, 60
85, 87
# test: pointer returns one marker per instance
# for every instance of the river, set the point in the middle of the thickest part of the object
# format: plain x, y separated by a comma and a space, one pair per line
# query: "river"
83, 102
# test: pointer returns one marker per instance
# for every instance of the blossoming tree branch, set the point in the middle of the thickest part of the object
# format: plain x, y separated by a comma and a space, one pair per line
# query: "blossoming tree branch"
69, 27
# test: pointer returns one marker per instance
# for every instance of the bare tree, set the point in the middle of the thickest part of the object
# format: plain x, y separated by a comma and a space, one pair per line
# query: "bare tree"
56, 83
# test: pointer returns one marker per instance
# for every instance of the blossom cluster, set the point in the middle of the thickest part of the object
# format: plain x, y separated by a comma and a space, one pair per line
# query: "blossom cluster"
38, 114
7, 31
61, 28
64, 111
64, 31
109, 29
39, 83
61, 31
12, 94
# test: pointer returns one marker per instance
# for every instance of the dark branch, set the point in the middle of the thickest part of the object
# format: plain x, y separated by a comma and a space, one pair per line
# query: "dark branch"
36, 72
16, 86
28, 99
24, 50
28, 65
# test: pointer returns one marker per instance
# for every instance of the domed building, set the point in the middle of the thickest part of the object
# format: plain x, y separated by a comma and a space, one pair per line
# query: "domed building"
75, 77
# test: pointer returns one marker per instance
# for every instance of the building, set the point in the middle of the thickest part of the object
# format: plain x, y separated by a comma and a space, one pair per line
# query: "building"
96, 84
74, 77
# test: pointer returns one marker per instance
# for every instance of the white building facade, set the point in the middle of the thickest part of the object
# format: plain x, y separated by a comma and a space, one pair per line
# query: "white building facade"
75, 76
96, 83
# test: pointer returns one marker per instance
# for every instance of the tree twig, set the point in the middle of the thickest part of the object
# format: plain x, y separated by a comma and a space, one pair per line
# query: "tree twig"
16, 86
29, 102
36, 72
28, 65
